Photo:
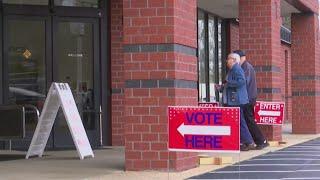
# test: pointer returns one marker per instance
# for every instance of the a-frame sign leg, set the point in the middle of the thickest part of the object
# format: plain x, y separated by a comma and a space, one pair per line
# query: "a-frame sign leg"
45, 124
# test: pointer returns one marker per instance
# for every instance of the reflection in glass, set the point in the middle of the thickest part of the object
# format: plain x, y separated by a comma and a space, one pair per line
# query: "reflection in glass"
212, 57
201, 57
77, 3
26, 65
26, 2
75, 49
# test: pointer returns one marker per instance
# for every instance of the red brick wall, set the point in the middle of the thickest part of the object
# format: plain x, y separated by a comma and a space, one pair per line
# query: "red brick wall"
287, 94
117, 73
305, 73
185, 22
286, 58
151, 22
259, 27
148, 24
234, 36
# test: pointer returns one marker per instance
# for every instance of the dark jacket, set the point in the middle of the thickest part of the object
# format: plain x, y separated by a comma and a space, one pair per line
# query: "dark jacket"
250, 75
236, 90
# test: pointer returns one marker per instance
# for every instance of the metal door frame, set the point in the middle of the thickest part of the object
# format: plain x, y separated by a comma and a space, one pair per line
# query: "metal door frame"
95, 70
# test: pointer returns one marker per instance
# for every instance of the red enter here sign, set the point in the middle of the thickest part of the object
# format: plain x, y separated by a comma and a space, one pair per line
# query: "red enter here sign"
204, 129
269, 113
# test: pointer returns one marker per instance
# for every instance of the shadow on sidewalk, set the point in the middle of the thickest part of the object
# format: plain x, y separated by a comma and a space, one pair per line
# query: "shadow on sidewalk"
9, 157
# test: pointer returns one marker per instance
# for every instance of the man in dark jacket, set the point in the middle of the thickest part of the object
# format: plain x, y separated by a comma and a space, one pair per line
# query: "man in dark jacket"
248, 109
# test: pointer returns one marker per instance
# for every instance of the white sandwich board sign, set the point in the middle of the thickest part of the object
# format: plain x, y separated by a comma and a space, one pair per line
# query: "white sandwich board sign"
60, 95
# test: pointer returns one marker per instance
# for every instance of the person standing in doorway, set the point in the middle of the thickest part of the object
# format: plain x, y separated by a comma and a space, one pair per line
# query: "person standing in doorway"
248, 109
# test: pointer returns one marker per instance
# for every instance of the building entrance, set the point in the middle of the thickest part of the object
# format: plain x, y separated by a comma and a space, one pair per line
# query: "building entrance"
45, 43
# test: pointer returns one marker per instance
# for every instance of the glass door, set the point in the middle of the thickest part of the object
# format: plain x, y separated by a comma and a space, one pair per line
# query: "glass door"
47, 41
76, 62
26, 44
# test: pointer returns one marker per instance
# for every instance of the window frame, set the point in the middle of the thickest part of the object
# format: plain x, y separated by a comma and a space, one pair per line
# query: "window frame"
52, 3
217, 75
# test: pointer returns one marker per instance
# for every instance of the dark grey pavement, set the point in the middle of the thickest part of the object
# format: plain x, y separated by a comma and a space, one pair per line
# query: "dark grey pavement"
109, 163
301, 161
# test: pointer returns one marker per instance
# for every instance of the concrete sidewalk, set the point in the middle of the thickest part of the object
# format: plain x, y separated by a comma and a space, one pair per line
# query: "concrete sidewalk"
107, 164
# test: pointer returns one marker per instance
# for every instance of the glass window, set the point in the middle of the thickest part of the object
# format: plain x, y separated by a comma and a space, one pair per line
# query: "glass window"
220, 63
201, 56
75, 49
210, 56
26, 65
286, 21
77, 3
26, 2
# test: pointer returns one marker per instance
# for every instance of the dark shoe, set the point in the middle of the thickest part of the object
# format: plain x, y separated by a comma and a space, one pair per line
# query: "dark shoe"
262, 146
251, 146
244, 147
247, 147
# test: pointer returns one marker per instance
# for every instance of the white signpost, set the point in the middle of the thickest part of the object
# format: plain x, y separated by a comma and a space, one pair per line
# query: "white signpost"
60, 95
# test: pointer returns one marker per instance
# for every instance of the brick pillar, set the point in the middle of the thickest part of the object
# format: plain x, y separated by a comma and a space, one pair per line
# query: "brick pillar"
286, 56
305, 73
160, 69
259, 36
232, 36
117, 73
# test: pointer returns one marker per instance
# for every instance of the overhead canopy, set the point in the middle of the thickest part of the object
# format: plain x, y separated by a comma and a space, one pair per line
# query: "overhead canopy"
229, 8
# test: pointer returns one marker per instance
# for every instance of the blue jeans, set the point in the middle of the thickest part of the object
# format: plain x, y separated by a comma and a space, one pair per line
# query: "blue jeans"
245, 136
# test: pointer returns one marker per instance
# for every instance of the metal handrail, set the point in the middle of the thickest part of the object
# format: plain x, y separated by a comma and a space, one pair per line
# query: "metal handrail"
34, 108
38, 115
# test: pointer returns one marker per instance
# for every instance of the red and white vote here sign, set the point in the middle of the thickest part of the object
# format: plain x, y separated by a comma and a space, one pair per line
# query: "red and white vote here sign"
269, 113
204, 129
